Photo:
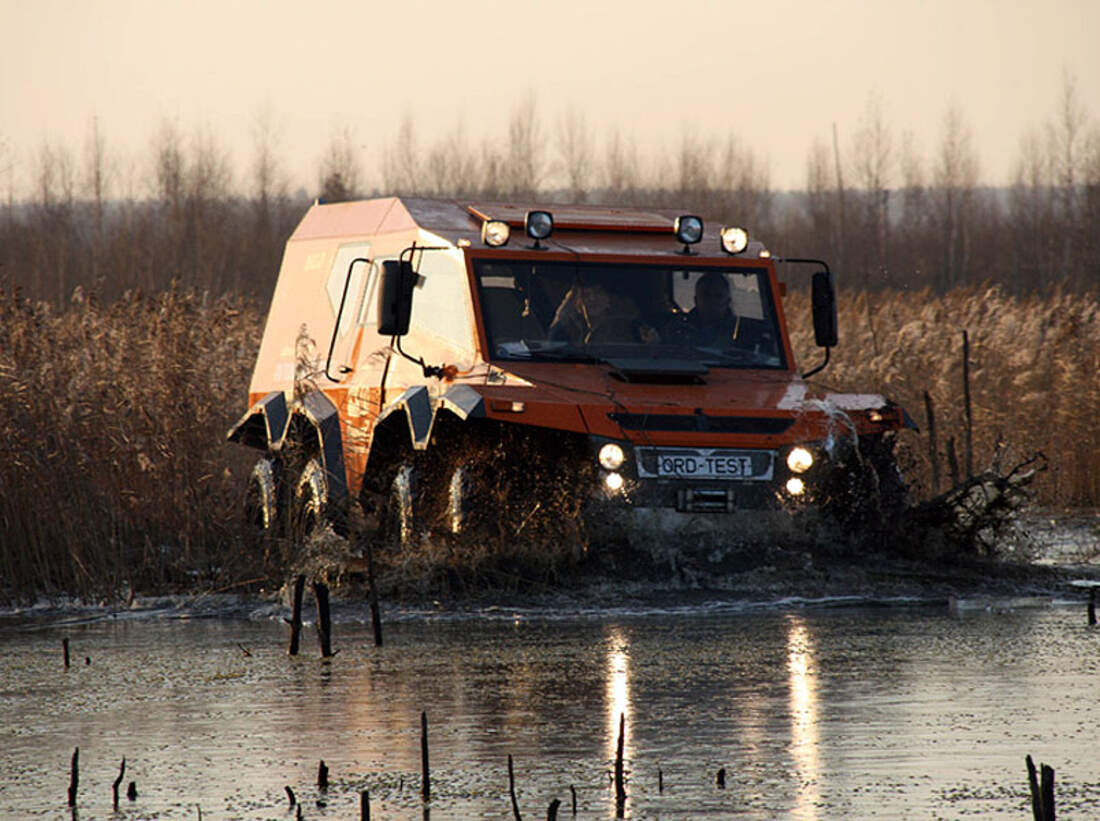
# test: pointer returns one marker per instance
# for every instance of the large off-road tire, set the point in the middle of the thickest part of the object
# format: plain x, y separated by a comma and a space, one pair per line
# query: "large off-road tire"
310, 502
467, 500
262, 507
402, 521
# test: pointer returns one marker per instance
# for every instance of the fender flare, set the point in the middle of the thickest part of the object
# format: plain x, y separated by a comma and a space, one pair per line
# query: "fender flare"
265, 424
324, 417
420, 410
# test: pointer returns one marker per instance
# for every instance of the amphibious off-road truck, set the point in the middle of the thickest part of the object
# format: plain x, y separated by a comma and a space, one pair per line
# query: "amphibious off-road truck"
435, 366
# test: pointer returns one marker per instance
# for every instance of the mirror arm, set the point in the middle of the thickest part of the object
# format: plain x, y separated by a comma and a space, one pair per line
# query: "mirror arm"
820, 367
427, 370
336, 326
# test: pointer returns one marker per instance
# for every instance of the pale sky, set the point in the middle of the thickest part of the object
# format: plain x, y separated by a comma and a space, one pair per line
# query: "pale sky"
775, 73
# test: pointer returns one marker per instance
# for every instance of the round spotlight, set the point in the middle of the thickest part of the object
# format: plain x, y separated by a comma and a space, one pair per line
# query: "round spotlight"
799, 460
611, 456
795, 486
538, 224
495, 233
613, 481
734, 239
689, 229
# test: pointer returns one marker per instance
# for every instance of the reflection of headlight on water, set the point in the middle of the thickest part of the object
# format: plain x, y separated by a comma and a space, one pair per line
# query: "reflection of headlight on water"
613, 482
795, 486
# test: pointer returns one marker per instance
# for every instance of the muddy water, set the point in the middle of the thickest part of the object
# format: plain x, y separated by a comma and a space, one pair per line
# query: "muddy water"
814, 711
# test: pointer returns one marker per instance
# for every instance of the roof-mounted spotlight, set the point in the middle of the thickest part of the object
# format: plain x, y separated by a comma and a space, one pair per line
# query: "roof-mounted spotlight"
538, 225
495, 233
689, 230
734, 239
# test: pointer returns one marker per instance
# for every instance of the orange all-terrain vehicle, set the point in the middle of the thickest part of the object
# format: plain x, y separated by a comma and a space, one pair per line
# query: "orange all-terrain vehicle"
436, 366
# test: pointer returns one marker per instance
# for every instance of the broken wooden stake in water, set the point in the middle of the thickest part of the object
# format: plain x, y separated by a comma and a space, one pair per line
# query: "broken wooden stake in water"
426, 781
512, 790
324, 620
295, 620
118, 782
74, 776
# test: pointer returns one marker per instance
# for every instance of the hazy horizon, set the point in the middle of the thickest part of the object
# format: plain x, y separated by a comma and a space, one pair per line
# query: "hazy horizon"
775, 76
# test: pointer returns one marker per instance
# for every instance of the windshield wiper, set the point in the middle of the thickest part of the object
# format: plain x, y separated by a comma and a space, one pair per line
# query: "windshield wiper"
566, 353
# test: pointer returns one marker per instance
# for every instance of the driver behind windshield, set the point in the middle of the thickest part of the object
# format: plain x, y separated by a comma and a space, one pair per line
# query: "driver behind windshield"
588, 314
712, 322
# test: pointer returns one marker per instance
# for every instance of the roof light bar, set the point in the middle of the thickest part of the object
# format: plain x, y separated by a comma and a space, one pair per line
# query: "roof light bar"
689, 230
495, 233
734, 239
538, 225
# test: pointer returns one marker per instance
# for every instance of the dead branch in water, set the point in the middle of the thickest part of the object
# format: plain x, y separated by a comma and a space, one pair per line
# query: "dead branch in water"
973, 513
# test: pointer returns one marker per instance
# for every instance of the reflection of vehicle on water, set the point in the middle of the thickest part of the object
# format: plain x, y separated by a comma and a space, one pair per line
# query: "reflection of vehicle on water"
445, 366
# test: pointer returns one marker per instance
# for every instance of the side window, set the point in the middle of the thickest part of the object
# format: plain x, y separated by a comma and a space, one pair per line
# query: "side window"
367, 314
339, 279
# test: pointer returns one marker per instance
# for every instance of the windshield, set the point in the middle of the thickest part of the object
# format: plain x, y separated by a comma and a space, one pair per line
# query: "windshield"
584, 311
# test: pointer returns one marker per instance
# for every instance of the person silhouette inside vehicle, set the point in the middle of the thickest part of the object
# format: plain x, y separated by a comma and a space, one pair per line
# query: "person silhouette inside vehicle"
712, 322
590, 315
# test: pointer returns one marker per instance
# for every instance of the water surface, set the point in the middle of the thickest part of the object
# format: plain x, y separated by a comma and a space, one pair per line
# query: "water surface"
814, 712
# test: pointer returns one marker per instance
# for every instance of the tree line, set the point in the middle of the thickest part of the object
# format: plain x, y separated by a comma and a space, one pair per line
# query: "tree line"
885, 215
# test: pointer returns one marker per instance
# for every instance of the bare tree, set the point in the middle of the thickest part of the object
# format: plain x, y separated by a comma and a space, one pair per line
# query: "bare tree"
168, 158
1031, 210
1091, 211
270, 185
462, 170
1066, 137
955, 174
620, 164
401, 170
741, 186
525, 148
97, 171
574, 144
872, 161
694, 173
55, 184
339, 168
491, 175
270, 197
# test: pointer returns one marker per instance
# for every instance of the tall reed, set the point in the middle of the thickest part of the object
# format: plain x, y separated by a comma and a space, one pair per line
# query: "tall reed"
113, 467
1033, 376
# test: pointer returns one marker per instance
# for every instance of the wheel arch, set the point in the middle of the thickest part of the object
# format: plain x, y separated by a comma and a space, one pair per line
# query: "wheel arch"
315, 424
264, 426
419, 411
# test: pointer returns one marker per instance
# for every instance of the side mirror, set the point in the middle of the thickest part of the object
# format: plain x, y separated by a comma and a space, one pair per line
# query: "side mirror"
824, 309
395, 297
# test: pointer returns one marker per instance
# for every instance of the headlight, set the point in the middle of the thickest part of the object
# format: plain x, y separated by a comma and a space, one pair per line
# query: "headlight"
614, 481
799, 460
495, 232
689, 229
611, 456
734, 239
795, 486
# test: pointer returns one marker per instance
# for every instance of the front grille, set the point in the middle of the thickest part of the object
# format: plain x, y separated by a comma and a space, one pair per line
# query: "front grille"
701, 423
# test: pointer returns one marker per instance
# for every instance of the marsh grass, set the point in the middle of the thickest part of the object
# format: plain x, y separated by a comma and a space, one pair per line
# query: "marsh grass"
1033, 378
115, 474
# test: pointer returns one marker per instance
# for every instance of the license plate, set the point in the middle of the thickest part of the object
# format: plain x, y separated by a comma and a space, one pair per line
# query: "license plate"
684, 463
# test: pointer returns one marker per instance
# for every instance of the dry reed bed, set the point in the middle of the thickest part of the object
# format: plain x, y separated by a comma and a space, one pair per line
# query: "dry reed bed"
1033, 376
114, 469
